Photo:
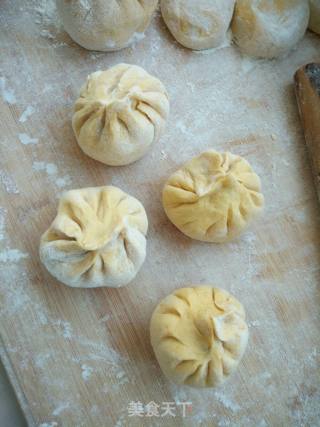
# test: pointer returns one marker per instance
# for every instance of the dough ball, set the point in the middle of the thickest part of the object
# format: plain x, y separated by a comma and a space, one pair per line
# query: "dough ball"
106, 25
198, 24
269, 28
199, 335
213, 197
97, 238
119, 114
314, 23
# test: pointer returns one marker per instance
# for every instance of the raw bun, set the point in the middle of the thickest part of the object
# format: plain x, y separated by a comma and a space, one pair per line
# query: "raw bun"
97, 238
213, 197
119, 114
198, 24
314, 23
106, 25
199, 335
269, 28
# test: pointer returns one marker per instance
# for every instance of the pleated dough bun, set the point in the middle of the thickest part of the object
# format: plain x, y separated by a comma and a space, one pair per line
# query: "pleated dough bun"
97, 238
213, 197
199, 335
119, 114
106, 25
314, 23
198, 24
269, 28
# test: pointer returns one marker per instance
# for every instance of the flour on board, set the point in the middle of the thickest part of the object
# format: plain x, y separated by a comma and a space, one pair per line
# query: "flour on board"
86, 372
6, 93
53, 173
26, 139
26, 114
7, 181
60, 408
12, 255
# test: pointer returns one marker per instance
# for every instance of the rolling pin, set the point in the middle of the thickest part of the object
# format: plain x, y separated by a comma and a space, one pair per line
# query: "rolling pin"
307, 88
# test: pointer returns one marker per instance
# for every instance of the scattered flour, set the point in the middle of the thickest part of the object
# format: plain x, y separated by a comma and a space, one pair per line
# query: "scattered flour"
26, 114
254, 323
182, 127
52, 171
7, 94
2, 222
164, 155
42, 359
86, 372
227, 402
8, 183
135, 38
60, 408
64, 327
49, 168
26, 139
12, 255
119, 423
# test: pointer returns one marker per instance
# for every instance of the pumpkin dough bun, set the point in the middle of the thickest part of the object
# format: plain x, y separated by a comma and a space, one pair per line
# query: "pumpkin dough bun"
119, 114
213, 197
98, 238
199, 335
106, 25
198, 24
269, 28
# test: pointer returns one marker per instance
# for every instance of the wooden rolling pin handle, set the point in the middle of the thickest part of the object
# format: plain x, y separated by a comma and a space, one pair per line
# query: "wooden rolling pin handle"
307, 88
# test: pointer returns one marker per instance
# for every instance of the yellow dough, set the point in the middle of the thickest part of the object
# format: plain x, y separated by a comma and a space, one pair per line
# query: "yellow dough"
269, 28
119, 114
198, 24
106, 25
199, 335
97, 238
213, 197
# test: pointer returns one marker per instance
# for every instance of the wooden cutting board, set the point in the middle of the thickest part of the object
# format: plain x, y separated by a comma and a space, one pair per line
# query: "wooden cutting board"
82, 357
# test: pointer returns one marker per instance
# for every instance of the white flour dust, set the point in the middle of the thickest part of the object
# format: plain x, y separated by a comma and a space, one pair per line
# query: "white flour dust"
2, 223
7, 94
227, 402
26, 114
53, 173
60, 408
8, 183
63, 327
86, 372
12, 255
26, 139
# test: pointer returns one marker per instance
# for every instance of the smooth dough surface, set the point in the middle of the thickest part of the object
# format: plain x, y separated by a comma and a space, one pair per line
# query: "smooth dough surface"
314, 23
119, 114
269, 28
97, 238
199, 335
198, 24
106, 25
213, 197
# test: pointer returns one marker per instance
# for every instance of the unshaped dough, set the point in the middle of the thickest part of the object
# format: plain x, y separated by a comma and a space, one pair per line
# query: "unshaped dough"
199, 335
106, 25
269, 28
314, 23
198, 24
97, 238
119, 114
213, 197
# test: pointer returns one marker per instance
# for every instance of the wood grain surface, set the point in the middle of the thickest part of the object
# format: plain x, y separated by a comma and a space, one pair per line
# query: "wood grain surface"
307, 86
81, 357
